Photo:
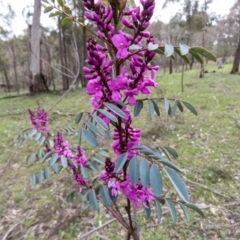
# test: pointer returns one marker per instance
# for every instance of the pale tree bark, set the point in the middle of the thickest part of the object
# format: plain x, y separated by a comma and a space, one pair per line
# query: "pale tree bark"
38, 82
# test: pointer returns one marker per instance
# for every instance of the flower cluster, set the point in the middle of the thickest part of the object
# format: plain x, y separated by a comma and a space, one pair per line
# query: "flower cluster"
111, 80
62, 148
115, 75
126, 137
135, 193
39, 119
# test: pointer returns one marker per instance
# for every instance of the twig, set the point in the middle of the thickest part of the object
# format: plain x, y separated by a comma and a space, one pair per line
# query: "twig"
74, 81
5, 237
11, 158
206, 188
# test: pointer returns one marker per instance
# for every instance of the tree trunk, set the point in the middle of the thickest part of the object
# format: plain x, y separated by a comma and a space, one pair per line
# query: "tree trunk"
7, 79
191, 63
235, 68
15, 66
182, 78
201, 75
66, 82
170, 67
38, 83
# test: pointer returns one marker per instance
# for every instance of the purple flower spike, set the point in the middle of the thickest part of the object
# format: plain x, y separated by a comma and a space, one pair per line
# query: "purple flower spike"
39, 119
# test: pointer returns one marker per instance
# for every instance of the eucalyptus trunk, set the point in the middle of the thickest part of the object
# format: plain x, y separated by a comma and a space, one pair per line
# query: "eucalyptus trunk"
235, 67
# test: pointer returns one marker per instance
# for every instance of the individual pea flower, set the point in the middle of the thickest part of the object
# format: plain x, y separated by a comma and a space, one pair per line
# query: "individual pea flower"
121, 41
39, 119
136, 193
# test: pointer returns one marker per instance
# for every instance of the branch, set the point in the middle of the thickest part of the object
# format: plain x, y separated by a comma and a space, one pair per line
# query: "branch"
11, 158
74, 81
206, 188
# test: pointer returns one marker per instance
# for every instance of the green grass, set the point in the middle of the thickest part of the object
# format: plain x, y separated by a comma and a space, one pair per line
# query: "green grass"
208, 148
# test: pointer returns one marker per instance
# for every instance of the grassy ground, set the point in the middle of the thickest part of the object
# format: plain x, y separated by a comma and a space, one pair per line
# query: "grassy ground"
209, 154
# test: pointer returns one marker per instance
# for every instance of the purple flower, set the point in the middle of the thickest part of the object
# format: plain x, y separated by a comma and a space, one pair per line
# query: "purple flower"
62, 147
109, 167
39, 119
80, 158
114, 187
121, 43
136, 193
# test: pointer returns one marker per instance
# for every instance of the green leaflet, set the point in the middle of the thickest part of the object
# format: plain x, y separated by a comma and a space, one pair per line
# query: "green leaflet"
134, 170
172, 210
120, 162
89, 137
178, 183
156, 180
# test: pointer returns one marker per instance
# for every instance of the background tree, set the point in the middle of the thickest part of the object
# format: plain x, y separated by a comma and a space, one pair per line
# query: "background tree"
235, 15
